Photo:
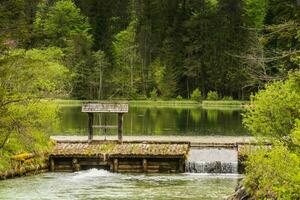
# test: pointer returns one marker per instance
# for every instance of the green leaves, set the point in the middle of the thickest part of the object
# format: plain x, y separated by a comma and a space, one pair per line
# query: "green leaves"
60, 22
274, 173
274, 110
25, 78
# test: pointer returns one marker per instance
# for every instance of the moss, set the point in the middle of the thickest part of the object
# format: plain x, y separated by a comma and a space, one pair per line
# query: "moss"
120, 149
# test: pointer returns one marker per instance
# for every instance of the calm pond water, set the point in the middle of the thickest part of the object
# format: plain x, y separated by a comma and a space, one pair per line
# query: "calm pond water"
157, 121
100, 184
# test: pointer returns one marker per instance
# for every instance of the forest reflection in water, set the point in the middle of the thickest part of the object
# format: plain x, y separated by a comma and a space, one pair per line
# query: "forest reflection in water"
145, 120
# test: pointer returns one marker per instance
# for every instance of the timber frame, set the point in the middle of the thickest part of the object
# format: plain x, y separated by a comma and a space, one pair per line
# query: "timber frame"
91, 108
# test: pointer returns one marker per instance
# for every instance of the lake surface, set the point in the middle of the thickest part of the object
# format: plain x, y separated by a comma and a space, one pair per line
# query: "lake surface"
100, 184
145, 120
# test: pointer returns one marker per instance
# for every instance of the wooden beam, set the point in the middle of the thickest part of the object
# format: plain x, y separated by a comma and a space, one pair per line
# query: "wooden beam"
52, 165
105, 127
90, 125
115, 169
145, 165
105, 108
120, 127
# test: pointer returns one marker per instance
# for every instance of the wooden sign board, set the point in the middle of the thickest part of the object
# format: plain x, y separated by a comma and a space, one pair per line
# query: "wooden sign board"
105, 108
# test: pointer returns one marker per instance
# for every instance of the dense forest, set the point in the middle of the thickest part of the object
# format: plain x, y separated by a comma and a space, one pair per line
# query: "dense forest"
135, 49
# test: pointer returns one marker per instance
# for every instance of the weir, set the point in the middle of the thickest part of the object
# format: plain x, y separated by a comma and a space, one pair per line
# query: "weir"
143, 154
127, 157
212, 160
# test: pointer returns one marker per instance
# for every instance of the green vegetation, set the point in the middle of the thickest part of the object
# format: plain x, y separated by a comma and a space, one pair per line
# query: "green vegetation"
274, 114
224, 103
212, 96
196, 95
25, 78
158, 50
128, 49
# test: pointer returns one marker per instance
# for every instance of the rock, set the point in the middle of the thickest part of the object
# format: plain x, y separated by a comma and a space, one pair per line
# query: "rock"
240, 193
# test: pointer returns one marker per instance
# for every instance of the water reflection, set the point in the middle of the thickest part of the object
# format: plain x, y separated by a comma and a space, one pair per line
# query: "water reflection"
157, 121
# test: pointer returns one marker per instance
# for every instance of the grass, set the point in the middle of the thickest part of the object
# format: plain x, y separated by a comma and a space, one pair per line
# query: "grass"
222, 104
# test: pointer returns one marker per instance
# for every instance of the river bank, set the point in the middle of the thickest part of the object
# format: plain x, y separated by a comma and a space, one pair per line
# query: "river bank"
25, 164
161, 103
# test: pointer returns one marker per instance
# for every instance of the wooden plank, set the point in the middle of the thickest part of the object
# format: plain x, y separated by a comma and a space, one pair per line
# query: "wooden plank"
129, 167
105, 108
130, 170
105, 127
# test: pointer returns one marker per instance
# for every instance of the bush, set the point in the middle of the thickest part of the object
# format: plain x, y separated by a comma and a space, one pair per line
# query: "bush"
273, 174
227, 98
212, 95
274, 111
153, 94
179, 98
196, 95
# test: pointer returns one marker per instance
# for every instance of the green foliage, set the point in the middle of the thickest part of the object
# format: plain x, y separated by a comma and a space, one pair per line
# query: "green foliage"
212, 96
60, 22
275, 110
227, 98
25, 78
126, 79
153, 94
273, 174
196, 95
179, 98
256, 11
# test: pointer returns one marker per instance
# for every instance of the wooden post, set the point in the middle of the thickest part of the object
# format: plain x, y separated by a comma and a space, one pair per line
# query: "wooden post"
181, 163
145, 166
90, 125
75, 165
52, 165
120, 127
115, 165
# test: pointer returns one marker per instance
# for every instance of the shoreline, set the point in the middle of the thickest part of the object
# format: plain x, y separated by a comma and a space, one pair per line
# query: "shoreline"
25, 165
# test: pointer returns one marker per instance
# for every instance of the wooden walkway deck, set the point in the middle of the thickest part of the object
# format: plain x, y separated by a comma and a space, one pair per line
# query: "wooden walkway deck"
150, 157
195, 141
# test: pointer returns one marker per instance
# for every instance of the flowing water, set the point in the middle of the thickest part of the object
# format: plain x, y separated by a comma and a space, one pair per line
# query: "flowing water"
145, 120
100, 184
212, 160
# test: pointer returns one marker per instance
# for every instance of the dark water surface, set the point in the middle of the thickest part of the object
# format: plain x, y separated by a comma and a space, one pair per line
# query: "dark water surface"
100, 184
157, 121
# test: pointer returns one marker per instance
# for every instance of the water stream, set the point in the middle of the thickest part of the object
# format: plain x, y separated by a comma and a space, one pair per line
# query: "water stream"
100, 184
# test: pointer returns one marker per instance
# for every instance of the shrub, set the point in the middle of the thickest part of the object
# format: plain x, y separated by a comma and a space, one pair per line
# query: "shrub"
196, 95
274, 111
227, 98
273, 174
153, 94
179, 98
212, 95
